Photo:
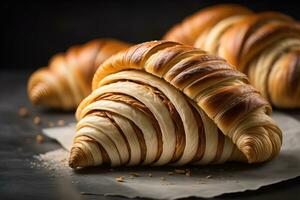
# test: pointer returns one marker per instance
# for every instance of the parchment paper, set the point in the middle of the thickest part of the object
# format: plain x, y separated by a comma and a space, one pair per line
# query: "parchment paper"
206, 181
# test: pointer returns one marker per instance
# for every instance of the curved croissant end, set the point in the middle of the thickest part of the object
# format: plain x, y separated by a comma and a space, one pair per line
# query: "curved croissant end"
67, 79
163, 103
265, 46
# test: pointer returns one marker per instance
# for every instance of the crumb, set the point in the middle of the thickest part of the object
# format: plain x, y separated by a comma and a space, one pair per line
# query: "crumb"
150, 175
179, 171
208, 176
188, 173
120, 179
39, 138
23, 112
135, 174
170, 173
60, 122
162, 178
50, 124
37, 120
131, 177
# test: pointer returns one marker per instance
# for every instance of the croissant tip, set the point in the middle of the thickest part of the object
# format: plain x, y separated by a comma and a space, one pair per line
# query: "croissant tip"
73, 164
77, 158
38, 93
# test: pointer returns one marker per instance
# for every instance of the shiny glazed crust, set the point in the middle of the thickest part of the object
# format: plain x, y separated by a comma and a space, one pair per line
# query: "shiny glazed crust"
67, 79
161, 102
265, 46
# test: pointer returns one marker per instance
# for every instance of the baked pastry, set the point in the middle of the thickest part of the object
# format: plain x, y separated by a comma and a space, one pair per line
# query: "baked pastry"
68, 77
265, 46
161, 102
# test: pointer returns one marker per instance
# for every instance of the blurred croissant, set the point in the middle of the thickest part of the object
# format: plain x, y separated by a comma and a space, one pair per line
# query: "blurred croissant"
265, 46
161, 103
67, 79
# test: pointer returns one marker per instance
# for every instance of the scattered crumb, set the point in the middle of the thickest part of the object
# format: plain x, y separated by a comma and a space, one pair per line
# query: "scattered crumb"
120, 179
179, 171
55, 161
60, 122
188, 173
170, 173
50, 124
39, 138
162, 178
208, 176
150, 175
135, 174
23, 112
37, 120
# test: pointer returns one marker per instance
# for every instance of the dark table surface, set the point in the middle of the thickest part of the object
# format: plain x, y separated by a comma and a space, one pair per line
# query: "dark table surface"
19, 180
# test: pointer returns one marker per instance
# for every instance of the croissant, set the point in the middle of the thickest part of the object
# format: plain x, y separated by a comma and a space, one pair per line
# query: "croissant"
68, 77
161, 103
265, 46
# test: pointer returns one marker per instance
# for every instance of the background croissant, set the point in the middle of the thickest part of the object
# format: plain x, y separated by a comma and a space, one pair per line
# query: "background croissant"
165, 103
67, 79
265, 46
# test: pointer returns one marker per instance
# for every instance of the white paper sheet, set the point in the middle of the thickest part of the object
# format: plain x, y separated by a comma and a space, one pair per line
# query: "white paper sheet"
206, 181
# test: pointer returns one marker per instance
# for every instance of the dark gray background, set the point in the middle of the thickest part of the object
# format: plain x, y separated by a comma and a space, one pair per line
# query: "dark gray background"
32, 31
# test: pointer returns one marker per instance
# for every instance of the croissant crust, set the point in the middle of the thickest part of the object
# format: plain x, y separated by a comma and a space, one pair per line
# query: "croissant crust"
265, 46
67, 79
161, 102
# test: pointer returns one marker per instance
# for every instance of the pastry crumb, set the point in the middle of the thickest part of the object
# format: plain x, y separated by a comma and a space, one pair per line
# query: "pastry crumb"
188, 173
39, 138
150, 175
120, 179
60, 122
50, 124
170, 173
37, 120
208, 176
23, 112
135, 174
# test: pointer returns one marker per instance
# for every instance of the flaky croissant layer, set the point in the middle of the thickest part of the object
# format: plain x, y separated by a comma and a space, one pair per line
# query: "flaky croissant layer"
161, 103
265, 46
67, 79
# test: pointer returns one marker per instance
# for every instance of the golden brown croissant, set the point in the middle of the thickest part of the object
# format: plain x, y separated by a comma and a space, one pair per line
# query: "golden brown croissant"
265, 46
67, 79
163, 103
